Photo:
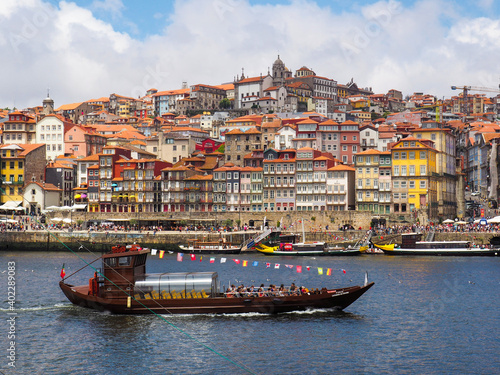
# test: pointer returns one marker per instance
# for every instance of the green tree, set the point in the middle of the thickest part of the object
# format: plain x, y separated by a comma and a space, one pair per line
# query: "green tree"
222, 148
225, 103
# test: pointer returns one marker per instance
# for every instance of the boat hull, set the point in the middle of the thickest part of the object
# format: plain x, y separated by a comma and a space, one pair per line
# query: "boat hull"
335, 298
311, 253
214, 250
444, 252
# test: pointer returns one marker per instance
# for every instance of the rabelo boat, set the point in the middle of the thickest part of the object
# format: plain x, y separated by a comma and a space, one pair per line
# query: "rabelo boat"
124, 287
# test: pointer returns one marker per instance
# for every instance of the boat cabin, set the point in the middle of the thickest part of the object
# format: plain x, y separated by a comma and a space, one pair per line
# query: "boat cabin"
121, 267
178, 285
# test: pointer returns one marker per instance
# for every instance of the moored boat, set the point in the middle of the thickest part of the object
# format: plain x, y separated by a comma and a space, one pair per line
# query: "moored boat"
313, 249
124, 287
210, 247
411, 245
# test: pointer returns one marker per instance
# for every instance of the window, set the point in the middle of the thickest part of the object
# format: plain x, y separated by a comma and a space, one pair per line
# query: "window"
412, 184
396, 170
422, 154
423, 184
403, 156
396, 156
422, 170
412, 154
412, 170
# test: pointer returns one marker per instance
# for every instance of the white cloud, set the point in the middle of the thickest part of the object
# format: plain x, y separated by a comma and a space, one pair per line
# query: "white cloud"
384, 45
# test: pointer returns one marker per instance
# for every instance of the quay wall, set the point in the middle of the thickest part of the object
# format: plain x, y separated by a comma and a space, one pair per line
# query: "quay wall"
102, 241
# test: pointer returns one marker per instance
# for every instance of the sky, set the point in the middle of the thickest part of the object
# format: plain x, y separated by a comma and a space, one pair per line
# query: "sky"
84, 49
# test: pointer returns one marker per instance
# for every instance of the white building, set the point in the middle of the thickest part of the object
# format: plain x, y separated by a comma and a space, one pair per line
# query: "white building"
50, 130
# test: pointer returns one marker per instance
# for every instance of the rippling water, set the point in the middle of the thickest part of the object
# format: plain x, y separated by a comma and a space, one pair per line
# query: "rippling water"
428, 315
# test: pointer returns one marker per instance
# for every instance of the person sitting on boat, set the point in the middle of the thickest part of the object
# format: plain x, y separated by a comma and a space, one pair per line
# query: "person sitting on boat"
293, 289
261, 290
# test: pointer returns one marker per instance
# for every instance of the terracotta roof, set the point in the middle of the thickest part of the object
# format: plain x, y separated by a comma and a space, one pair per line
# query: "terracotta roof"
342, 167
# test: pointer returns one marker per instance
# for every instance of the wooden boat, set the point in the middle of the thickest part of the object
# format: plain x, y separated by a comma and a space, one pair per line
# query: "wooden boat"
210, 247
123, 287
411, 245
308, 250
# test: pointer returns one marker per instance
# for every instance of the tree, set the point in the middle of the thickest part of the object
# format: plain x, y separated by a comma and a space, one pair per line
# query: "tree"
222, 148
225, 103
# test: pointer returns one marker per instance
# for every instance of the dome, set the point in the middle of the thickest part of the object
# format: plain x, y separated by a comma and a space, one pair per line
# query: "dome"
279, 62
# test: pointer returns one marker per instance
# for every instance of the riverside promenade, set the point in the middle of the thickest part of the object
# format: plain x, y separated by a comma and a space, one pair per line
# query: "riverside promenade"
102, 240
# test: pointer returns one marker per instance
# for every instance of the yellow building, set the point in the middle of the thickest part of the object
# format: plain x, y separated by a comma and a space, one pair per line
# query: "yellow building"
446, 168
414, 177
20, 163
367, 180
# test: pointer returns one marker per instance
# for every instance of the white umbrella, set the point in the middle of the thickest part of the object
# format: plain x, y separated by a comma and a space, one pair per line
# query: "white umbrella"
461, 222
67, 220
494, 220
448, 221
56, 219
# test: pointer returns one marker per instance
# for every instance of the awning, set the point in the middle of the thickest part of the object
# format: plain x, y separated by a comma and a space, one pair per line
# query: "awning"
79, 207
11, 205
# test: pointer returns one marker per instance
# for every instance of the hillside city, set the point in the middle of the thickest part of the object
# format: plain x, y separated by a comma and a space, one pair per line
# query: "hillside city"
279, 141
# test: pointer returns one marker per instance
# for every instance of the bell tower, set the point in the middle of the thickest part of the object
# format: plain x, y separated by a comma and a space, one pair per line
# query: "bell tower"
48, 105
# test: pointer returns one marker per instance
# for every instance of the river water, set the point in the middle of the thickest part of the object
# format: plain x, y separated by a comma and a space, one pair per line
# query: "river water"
433, 315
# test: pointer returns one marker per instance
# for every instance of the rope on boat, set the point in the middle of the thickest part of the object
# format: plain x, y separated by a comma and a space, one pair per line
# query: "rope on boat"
87, 264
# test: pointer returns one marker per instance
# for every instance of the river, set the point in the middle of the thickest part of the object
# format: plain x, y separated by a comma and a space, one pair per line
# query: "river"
433, 315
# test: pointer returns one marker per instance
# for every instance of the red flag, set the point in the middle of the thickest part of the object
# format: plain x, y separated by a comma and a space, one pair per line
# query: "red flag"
343, 270
161, 253
63, 272
237, 261
308, 268
299, 269
268, 265
193, 257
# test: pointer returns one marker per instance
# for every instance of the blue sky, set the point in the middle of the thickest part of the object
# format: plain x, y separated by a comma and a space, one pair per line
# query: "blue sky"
87, 49
149, 17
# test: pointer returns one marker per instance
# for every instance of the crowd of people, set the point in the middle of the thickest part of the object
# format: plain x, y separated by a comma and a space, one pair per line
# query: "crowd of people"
271, 290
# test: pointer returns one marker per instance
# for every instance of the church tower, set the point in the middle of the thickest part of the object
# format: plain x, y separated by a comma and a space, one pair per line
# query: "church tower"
279, 72
48, 105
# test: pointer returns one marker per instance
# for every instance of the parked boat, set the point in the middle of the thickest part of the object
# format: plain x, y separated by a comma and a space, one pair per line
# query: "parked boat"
210, 247
308, 249
124, 287
290, 244
411, 245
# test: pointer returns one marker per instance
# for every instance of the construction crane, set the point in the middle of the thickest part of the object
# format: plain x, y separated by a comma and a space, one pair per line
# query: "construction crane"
466, 89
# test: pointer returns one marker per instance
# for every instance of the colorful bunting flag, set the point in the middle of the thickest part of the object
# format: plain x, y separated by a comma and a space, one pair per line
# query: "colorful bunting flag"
299, 269
223, 260
289, 266
180, 256
237, 261
320, 271
343, 270
255, 263
63, 272
162, 252
276, 266
308, 268
268, 265
201, 258
193, 257
153, 251
212, 260
245, 263
329, 271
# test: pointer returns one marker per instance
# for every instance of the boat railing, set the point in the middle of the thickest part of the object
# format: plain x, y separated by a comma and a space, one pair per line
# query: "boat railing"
267, 293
